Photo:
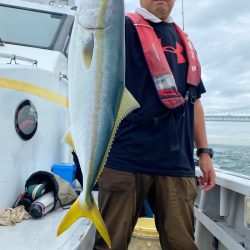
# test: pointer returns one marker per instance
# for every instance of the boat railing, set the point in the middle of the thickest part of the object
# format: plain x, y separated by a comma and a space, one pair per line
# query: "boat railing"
14, 58
223, 214
233, 181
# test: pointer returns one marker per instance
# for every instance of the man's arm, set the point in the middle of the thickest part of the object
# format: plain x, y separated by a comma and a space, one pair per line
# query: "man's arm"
200, 138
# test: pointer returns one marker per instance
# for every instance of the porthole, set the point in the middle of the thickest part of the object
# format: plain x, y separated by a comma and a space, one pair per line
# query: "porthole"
26, 120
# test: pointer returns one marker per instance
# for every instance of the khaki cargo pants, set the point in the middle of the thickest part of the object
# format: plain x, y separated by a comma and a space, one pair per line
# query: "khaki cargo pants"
121, 199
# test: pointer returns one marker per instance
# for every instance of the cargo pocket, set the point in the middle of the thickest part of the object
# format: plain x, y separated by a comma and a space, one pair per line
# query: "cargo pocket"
186, 187
116, 200
121, 182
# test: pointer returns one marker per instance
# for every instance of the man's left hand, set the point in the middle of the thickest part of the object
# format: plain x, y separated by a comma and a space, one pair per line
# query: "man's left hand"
207, 181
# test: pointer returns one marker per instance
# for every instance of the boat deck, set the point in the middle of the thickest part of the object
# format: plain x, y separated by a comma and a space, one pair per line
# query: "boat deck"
40, 234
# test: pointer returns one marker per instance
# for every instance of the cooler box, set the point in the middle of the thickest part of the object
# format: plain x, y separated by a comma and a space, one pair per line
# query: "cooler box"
66, 171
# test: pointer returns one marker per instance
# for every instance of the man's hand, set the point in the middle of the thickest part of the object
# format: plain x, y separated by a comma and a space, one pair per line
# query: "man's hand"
207, 181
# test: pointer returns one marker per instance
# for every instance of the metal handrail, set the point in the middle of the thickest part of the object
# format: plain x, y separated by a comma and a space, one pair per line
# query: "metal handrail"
14, 57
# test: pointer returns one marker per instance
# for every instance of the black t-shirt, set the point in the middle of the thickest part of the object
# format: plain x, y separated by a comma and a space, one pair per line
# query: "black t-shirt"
143, 148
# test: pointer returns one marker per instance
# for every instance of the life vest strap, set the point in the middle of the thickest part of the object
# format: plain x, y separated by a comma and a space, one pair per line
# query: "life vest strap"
157, 63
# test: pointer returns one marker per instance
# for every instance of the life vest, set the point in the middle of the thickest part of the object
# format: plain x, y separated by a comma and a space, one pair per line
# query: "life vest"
158, 65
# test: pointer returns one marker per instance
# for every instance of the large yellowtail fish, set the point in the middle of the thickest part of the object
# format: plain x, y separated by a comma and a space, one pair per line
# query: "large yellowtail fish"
98, 100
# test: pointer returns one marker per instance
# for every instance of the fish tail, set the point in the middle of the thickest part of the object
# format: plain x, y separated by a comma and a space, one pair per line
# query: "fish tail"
91, 212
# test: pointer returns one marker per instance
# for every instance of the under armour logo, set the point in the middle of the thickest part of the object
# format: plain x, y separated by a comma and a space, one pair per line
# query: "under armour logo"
178, 51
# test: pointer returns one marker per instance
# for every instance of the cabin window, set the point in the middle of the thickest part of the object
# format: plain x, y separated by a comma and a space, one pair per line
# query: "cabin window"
29, 27
26, 120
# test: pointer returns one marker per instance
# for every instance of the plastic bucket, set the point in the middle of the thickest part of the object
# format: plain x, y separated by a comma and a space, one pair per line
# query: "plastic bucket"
145, 235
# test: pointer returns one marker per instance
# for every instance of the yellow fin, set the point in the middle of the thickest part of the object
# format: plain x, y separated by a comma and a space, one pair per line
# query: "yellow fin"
91, 212
69, 140
88, 48
128, 104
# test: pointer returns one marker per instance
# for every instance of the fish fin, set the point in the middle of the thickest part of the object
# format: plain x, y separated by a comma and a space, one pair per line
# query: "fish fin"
88, 49
128, 104
69, 140
91, 212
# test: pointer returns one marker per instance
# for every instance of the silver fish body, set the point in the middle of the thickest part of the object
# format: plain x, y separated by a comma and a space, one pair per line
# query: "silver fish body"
96, 83
98, 100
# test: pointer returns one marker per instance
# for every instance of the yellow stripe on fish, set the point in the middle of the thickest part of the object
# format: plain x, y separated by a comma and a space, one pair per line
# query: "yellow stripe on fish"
98, 99
128, 104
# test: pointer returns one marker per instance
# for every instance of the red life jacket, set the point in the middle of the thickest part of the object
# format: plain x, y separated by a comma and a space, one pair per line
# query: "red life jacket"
158, 65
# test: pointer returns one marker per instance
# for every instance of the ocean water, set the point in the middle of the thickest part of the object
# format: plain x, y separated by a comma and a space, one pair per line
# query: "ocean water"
231, 143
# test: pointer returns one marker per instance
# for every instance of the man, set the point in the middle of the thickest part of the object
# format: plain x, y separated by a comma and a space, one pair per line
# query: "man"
152, 155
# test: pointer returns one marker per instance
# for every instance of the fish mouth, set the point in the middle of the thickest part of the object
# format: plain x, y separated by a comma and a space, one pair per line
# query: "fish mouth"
92, 28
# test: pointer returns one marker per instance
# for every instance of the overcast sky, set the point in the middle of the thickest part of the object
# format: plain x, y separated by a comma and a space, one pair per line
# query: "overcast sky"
220, 31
